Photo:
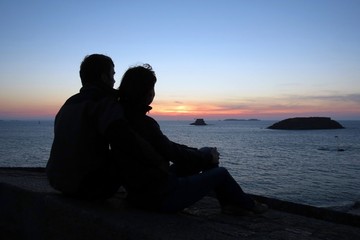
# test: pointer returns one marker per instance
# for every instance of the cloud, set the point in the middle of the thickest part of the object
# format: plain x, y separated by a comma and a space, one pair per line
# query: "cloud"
355, 97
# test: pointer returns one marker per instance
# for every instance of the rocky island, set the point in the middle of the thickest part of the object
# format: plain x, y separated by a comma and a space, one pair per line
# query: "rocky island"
307, 123
235, 119
199, 122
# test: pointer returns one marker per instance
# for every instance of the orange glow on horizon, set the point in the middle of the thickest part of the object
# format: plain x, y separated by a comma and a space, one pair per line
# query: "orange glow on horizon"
208, 110
259, 111
28, 111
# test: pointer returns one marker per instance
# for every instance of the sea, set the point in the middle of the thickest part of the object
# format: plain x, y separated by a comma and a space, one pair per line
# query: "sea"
315, 167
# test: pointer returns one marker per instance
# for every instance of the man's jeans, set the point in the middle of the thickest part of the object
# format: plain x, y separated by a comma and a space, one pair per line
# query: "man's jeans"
187, 190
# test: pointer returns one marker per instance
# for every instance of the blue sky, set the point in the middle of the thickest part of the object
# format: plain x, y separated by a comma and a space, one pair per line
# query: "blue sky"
243, 59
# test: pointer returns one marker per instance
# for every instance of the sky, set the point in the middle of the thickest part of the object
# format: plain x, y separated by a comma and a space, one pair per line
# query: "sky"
264, 59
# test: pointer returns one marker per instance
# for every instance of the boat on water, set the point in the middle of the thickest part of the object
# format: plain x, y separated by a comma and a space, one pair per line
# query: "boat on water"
199, 122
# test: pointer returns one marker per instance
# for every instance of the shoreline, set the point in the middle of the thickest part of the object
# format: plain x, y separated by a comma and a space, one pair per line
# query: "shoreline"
348, 209
328, 214
31, 209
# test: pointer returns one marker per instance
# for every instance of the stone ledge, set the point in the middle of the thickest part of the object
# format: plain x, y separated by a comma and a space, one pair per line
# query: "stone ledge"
311, 211
30, 209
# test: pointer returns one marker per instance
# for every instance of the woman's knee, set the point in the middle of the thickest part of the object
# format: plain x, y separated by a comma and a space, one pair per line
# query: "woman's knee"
219, 172
223, 170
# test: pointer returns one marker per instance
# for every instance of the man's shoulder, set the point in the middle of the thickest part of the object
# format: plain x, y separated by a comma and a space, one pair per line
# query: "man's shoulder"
92, 94
92, 102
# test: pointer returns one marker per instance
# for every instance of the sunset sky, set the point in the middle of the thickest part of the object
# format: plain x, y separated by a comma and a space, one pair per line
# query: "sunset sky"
265, 59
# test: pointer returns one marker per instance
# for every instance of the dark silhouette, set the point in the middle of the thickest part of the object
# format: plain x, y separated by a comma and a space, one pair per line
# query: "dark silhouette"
235, 119
306, 123
199, 122
193, 172
338, 145
91, 137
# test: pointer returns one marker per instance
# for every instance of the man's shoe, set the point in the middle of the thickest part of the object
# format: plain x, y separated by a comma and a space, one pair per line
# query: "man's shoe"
236, 210
259, 208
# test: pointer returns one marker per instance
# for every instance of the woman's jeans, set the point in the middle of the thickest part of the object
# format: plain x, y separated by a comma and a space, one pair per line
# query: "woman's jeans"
187, 190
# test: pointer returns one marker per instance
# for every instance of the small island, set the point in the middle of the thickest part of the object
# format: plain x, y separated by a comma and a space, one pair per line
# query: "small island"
235, 119
199, 122
307, 123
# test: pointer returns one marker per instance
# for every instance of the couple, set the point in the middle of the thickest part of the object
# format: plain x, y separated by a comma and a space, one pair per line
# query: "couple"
104, 140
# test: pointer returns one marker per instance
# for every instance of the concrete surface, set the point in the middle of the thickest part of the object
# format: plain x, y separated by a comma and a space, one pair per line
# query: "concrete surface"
31, 209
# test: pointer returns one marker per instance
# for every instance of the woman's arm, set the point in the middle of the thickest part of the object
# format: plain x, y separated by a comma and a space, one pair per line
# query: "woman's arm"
184, 156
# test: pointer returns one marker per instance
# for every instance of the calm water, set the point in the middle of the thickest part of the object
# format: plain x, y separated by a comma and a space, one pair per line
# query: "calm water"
299, 166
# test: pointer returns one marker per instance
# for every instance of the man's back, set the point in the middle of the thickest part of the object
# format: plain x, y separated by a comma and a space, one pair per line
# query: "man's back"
80, 146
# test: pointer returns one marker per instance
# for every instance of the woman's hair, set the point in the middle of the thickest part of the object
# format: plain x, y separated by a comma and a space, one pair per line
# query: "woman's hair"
93, 66
136, 83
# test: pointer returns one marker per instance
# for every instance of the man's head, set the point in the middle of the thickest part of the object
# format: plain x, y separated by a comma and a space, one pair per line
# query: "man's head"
97, 68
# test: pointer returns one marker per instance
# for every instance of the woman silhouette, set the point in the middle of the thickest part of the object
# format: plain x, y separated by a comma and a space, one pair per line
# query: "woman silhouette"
182, 175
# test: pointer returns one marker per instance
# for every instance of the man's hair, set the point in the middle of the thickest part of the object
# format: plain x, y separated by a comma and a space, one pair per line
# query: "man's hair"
136, 83
93, 66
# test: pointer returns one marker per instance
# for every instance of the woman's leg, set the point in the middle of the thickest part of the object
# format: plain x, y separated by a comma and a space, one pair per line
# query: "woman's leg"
191, 189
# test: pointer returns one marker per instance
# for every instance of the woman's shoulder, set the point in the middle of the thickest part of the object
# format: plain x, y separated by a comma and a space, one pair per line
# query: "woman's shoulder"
151, 120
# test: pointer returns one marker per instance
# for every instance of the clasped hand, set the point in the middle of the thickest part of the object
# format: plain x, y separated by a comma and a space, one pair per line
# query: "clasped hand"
215, 155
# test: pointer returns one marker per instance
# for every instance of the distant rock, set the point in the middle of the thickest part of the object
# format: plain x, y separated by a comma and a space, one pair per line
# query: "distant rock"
199, 122
306, 123
235, 119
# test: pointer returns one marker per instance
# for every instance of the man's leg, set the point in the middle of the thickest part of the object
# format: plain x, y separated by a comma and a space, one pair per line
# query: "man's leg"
191, 189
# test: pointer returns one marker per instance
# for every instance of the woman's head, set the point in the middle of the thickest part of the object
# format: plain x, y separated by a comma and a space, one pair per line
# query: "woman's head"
137, 85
